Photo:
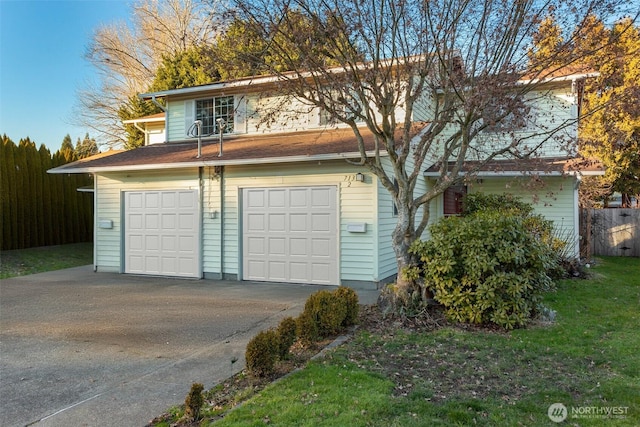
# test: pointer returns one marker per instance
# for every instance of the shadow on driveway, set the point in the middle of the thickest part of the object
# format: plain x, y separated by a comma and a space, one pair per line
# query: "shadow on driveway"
87, 349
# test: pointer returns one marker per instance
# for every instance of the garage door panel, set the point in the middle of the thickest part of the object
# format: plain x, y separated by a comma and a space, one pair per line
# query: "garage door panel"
300, 227
321, 198
169, 243
277, 246
322, 272
277, 198
255, 222
152, 243
277, 222
151, 222
187, 244
152, 264
187, 221
135, 221
136, 263
321, 222
162, 232
321, 248
135, 201
298, 222
298, 271
277, 270
256, 246
298, 247
168, 200
298, 198
168, 221
169, 265
134, 242
256, 270
151, 200
254, 198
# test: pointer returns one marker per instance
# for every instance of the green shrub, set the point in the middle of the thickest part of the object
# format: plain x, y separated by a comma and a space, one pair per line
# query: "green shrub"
328, 311
262, 353
307, 328
486, 267
349, 298
193, 402
509, 203
541, 228
286, 336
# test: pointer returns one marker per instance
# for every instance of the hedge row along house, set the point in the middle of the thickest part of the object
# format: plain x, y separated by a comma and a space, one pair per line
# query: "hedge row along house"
215, 193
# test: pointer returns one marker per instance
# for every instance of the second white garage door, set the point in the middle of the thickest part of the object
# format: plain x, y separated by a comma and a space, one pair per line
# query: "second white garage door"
290, 234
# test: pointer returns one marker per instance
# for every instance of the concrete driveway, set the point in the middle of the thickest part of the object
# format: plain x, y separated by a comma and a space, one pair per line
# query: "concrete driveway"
84, 349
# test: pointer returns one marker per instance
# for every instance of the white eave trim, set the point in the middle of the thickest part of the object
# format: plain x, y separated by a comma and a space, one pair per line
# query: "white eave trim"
143, 120
220, 162
488, 174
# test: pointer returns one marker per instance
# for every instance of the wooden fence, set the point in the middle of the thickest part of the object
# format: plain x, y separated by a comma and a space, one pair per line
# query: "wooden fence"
610, 232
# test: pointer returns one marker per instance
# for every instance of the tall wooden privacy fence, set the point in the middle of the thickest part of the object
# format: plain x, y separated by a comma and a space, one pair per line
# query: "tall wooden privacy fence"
610, 232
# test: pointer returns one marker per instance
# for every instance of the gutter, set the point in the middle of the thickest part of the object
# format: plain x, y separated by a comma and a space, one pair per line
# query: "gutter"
216, 162
95, 223
521, 173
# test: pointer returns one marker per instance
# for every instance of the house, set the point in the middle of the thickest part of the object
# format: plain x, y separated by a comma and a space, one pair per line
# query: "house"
213, 194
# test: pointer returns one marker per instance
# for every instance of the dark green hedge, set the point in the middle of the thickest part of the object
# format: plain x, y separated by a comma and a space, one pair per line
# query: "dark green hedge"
41, 209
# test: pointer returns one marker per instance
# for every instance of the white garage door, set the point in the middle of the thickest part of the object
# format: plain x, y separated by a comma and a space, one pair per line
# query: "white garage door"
161, 233
290, 235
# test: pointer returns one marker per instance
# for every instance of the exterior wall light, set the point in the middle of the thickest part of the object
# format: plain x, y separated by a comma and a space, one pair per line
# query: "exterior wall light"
360, 177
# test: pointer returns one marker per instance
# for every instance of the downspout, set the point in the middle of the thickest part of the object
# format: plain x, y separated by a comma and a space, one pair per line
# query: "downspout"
201, 231
144, 131
157, 104
221, 222
95, 223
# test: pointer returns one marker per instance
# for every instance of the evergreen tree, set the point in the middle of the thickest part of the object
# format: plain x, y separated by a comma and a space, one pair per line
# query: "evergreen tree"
88, 147
66, 143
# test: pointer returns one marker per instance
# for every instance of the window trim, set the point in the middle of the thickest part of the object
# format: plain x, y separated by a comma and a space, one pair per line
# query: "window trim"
209, 124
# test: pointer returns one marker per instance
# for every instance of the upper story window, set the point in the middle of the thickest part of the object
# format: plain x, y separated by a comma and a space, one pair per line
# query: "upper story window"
212, 109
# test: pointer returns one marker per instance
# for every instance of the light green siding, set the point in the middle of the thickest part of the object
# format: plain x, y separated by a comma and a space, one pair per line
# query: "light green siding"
550, 131
108, 244
553, 197
176, 119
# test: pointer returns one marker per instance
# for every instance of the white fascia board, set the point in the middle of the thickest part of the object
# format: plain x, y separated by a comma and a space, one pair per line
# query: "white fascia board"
488, 174
142, 120
497, 173
568, 78
221, 162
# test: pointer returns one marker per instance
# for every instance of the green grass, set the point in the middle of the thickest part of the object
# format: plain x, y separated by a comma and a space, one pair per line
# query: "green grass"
48, 258
590, 357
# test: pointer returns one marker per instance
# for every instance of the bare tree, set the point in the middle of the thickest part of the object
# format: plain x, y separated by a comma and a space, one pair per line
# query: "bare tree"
427, 78
126, 58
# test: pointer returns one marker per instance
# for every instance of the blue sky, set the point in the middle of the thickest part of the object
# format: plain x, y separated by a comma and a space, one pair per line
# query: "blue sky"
42, 65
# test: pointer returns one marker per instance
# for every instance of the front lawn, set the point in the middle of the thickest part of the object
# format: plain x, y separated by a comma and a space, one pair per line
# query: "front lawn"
432, 373
47, 258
